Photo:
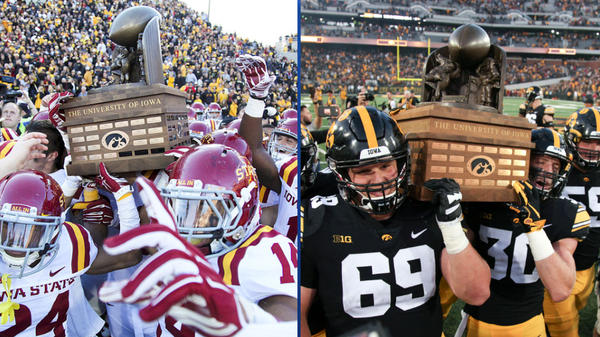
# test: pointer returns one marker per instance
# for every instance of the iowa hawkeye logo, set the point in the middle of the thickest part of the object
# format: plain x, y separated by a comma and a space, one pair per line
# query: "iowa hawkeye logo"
481, 166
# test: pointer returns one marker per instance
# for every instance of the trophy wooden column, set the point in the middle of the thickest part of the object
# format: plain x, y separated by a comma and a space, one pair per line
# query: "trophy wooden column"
484, 152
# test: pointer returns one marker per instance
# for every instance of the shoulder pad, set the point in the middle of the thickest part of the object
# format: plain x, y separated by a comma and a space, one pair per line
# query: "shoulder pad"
313, 211
549, 110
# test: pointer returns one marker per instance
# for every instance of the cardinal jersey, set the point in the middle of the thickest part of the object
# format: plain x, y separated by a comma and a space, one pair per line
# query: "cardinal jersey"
52, 298
287, 216
536, 116
365, 270
585, 188
517, 292
263, 266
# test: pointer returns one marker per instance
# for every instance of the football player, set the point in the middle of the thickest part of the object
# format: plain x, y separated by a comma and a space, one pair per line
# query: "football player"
385, 252
583, 141
43, 258
213, 193
538, 113
281, 176
529, 246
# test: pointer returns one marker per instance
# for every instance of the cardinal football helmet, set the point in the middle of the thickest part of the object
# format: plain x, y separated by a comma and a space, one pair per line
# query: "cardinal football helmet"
583, 124
235, 125
214, 111
284, 140
289, 114
191, 115
229, 138
365, 136
199, 109
198, 130
309, 159
534, 93
30, 220
213, 192
548, 142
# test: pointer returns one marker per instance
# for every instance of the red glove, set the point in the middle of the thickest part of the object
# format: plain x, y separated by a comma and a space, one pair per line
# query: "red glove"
256, 74
57, 116
177, 281
178, 151
110, 183
98, 212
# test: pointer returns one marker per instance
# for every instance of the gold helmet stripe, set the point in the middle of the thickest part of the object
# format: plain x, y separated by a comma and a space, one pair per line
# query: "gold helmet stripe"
597, 115
368, 126
556, 138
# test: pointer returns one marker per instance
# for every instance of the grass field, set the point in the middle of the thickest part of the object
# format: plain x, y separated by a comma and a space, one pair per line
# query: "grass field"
511, 107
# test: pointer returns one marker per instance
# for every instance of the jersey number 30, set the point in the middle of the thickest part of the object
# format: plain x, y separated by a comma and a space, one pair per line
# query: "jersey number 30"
354, 289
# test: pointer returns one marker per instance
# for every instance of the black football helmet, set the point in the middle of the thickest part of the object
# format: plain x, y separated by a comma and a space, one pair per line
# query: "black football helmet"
583, 124
363, 136
308, 158
534, 93
548, 142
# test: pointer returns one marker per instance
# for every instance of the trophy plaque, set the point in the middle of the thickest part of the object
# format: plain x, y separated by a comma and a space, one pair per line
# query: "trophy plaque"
133, 121
459, 130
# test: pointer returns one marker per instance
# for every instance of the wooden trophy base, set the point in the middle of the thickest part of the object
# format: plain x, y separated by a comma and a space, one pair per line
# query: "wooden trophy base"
129, 128
485, 153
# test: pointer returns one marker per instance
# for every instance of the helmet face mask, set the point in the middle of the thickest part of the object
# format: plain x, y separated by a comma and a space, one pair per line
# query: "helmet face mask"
582, 126
309, 159
30, 221
284, 140
214, 111
213, 193
550, 151
365, 136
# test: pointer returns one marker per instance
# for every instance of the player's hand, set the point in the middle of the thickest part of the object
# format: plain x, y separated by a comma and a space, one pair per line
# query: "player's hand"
117, 186
446, 198
157, 210
98, 212
70, 186
57, 116
527, 214
178, 151
256, 74
177, 281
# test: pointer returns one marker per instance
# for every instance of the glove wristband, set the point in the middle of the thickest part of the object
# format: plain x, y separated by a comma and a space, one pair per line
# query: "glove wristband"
70, 187
540, 245
122, 193
255, 108
129, 217
454, 236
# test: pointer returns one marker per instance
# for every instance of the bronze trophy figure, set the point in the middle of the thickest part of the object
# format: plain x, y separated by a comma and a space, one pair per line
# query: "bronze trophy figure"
133, 121
459, 131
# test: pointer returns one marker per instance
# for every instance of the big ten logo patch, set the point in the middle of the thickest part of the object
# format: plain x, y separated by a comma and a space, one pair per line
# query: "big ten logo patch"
342, 239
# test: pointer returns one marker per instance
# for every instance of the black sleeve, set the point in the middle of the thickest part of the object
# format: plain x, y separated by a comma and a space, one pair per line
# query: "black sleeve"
320, 136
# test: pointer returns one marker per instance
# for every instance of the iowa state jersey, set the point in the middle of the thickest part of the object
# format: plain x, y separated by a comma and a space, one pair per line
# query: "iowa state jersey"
287, 200
264, 265
46, 297
585, 189
365, 270
517, 292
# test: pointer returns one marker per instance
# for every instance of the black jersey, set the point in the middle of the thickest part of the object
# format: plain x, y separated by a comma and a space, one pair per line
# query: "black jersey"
516, 290
585, 188
536, 116
325, 184
365, 270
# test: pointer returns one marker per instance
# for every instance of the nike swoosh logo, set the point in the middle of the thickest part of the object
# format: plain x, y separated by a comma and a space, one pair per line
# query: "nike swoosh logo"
53, 273
416, 235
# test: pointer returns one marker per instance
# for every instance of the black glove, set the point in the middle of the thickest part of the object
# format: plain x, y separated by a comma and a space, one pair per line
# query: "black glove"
446, 198
527, 214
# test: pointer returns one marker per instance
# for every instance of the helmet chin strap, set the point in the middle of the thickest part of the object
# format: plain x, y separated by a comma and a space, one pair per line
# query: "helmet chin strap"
366, 202
18, 262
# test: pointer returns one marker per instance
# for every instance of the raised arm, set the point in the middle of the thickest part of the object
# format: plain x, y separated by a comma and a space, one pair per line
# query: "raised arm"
258, 82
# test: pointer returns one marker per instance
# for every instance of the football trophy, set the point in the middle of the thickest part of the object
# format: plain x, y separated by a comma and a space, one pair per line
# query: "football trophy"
459, 131
130, 123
